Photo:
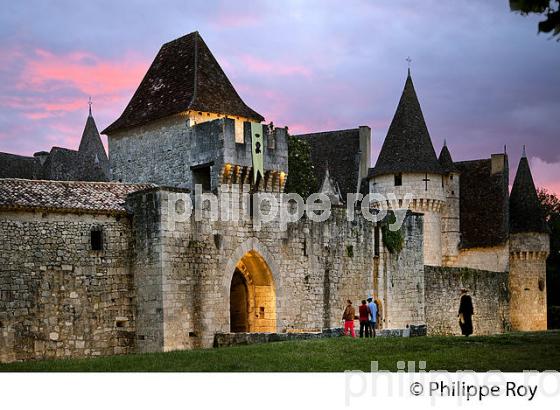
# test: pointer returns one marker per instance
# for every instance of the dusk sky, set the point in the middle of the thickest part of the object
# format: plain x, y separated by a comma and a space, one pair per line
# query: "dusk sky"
483, 75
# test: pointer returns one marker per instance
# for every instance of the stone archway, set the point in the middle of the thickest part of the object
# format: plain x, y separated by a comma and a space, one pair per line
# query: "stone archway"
239, 303
252, 296
252, 284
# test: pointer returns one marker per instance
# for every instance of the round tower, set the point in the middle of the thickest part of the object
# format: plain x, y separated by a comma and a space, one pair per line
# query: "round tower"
408, 168
529, 246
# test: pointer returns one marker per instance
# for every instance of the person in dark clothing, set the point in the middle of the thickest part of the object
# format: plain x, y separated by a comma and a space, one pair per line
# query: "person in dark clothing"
465, 313
364, 318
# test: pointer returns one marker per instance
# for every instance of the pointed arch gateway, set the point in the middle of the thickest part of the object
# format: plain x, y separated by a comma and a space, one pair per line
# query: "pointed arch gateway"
252, 287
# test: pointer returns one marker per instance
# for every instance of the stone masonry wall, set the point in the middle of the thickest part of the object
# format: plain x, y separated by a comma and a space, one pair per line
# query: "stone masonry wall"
163, 152
315, 267
489, 291
492, 258
401, 279
426, 197
58, 298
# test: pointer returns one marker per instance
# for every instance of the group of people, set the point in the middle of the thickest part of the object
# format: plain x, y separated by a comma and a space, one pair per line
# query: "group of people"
368, 315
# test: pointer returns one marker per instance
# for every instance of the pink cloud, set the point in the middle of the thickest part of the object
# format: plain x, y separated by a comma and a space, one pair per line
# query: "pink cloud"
84, 71
546, 174
226, 19
260, 66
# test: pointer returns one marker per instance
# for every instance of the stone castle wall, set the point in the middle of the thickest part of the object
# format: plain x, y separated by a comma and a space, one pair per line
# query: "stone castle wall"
164, 151
489, 292
400, 279
315, 268
58, 298
492, 258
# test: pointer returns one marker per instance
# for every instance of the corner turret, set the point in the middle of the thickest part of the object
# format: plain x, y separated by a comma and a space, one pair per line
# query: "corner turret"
529, 246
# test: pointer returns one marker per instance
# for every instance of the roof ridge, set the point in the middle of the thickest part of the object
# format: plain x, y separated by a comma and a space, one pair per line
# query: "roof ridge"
195, 85
471, 160
326, 132
17, 155
54, 181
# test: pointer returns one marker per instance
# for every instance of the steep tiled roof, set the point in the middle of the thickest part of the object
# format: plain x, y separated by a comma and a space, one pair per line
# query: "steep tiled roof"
340, 151
18, 166
408, 146
184, 76
483, 201
445, 160
65, 164
70, 196
92, 147
526, 213
89, 163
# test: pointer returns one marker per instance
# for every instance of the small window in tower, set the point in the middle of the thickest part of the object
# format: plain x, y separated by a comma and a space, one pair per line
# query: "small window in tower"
239, 132
96, 239
442, 181
201, 175
398, 179
376, 241
451, 177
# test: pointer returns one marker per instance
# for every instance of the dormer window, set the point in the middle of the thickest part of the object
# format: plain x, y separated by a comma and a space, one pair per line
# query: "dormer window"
398, 179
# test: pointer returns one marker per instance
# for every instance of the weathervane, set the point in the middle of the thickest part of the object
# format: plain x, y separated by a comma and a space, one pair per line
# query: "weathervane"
408, 60
90, 103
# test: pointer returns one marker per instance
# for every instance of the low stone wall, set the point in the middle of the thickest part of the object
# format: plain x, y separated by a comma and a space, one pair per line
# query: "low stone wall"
232, 339
58, 298
489, 291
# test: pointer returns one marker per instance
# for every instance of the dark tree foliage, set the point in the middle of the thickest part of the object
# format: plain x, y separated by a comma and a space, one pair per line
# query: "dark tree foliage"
393, 240
550, 9
551, 206
301, 179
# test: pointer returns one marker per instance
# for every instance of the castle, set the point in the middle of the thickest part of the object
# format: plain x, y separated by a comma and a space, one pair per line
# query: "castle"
91, 267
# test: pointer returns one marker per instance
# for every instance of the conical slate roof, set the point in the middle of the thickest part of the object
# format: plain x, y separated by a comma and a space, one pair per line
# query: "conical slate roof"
445, 160
525, 211
408, 146
91, 140
183, 76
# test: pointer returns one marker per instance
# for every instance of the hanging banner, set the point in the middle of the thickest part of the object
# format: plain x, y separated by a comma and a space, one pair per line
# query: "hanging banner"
257, 150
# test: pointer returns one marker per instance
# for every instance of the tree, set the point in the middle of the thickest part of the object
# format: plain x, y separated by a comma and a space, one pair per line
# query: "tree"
551, 206
549, 8
301, 178
549, 202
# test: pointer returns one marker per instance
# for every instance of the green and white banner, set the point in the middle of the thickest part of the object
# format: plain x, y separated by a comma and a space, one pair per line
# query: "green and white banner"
257, 150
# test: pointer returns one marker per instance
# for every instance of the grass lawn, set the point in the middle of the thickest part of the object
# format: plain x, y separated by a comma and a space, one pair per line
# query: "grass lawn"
509, 352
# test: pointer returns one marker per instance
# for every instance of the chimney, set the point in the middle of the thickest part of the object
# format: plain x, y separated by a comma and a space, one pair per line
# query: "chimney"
365, 150
41, 156
498, 163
